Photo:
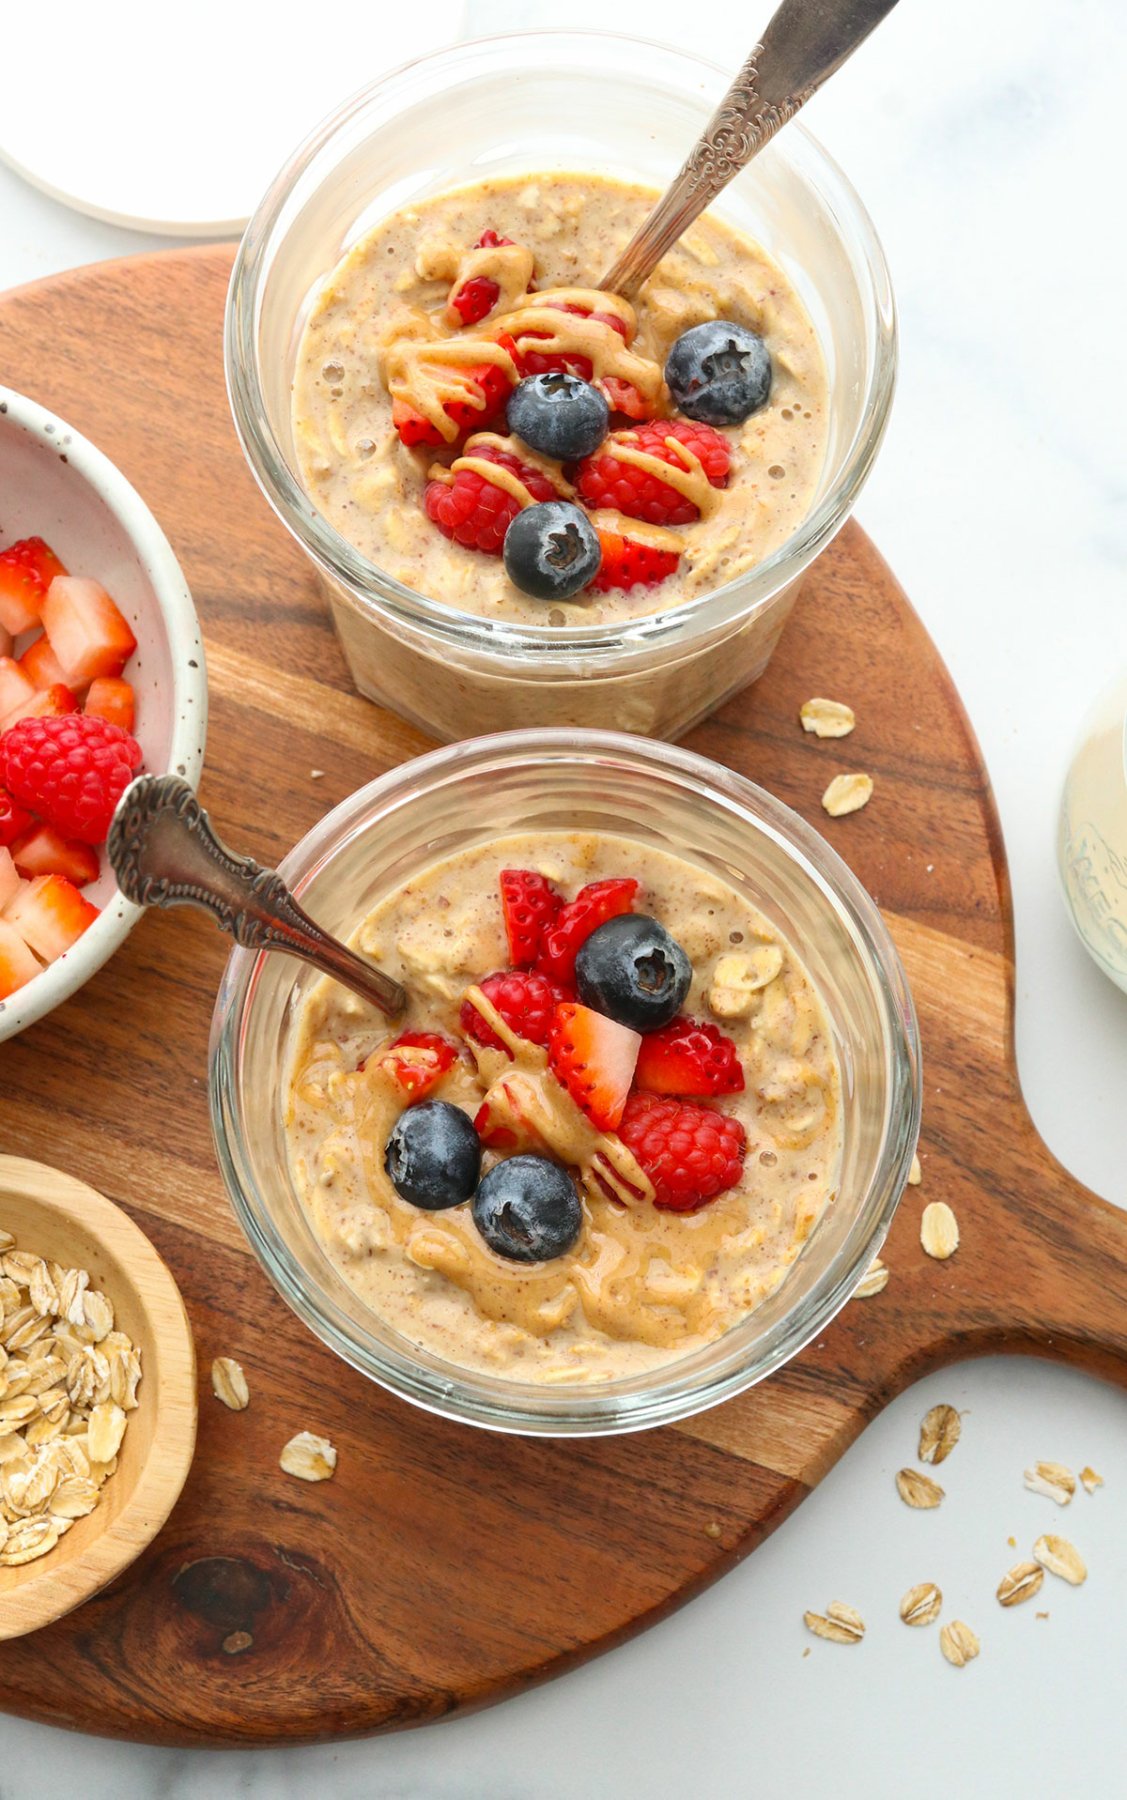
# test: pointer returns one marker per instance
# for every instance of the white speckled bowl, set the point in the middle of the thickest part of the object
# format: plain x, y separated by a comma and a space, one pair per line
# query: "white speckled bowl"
55, 484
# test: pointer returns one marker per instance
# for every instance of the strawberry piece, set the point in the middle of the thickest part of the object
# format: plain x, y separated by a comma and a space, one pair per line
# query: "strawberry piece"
16, 689
14, 820
27, 570
594, 1058
112, 698
473, 511
71, 771
686, 1057
50, 915
492, 383
40, 664
629, 564
10, 882
530, 904
525, 1000
501, 1122
53, 703
7, 642
86, 630
690, 1153
17, 964
418, 1060
624, 397
41, 850
605, 481
592, 907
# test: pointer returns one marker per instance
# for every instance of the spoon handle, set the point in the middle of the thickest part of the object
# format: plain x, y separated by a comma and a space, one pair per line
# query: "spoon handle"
805, 41
164, 853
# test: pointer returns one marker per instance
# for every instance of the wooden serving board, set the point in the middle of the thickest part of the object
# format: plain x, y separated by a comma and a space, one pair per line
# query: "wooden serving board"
445, 1567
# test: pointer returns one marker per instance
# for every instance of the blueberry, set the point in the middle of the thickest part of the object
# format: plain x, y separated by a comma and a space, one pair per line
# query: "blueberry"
551, 550
527, 1209
719, 372
559, 415
433, 1155
633, 971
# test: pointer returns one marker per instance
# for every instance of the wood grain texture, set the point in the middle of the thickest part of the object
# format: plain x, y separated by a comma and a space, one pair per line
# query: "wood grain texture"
66, 1221
442, 1567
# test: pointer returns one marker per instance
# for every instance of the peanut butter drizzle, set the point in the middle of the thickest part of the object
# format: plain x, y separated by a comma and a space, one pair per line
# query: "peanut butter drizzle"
686, 474
501, 477
550, 470
509, 265
535, 326
412, 372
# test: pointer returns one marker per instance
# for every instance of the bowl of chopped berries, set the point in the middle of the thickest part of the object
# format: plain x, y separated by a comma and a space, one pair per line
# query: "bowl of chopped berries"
531, 500
644, 1122
101, 674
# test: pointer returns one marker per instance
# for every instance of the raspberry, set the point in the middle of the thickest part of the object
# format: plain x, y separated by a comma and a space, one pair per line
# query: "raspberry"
492, 383
686, 1057
72, 771
530, 904
603, 480
417, 1060
592, 907
690, 1153
627, 564
534, 362
477, 297
474, 512
525, 1000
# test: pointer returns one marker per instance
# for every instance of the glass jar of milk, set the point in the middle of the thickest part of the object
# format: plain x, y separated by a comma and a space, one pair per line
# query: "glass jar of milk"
1092, 845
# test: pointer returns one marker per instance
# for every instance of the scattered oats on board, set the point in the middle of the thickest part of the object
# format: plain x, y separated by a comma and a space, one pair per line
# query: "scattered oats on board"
939, 1433
229, 1384
1090, 1479
1061, 1558
68, 1380
712, 1529
839, 1624
847, 794
939, 1231
827, 718
958, 1643
873, 1281
1053, 1480
918, 1490
921, 1604
309, 1457
915, 1173
1020, 1583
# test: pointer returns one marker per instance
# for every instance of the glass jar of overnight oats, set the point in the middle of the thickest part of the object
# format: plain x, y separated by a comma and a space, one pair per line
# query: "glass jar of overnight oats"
593, 802
561, 107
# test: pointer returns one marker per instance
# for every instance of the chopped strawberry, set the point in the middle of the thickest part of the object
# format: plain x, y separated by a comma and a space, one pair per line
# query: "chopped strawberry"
500, 1121
112, 698
530, 904
52, 703
41, 850
594, 1058
27, 570
15, 689
592, 907
40, 664
14, 820
17, 964
51, 915
10, 883
490, 382
624, 397
627, 564
7, 641
690, 1153
525, 1000
417, 1060
85, 629
685, 1057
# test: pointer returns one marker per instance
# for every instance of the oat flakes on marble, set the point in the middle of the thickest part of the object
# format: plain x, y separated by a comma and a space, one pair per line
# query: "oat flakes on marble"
958, 1643
917, 1490
839, 1624
1020, 1583
1052, 1480
1091, 1481
1061, 1558
940, 1430
921, 1605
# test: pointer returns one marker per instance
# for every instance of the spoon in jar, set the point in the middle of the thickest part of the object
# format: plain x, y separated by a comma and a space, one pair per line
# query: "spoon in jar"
804, 43
164, 852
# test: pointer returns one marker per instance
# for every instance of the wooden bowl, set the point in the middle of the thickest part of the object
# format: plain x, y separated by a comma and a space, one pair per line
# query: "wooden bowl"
63, 1220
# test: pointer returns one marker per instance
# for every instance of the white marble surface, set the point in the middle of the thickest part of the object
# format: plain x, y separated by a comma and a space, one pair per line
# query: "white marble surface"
987, 141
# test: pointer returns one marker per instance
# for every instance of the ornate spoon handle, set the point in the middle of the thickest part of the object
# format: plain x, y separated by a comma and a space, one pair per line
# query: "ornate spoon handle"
805, 41
164, 853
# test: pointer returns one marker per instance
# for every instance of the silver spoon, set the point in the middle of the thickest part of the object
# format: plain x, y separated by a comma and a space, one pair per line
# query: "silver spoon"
805, 41
164, 853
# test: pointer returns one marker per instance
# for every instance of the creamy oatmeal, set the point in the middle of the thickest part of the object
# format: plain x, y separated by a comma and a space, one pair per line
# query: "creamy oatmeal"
641, 1285
383, 332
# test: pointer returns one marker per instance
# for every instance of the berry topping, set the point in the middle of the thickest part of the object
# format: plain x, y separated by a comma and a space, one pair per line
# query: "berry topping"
85, 629
607, 480
530, 904
501, 1122
41, 851
525, 1000
552, 550
689, 1058
527, 1209
27, 570
489, 384
474, 299
690, 1153
592, 907
632, 970
624, 397
72, 771
433, 1155
559, 415
417, 1060
719, 372
594, 1059
50, 915
473, 510
14, 821
627, 564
